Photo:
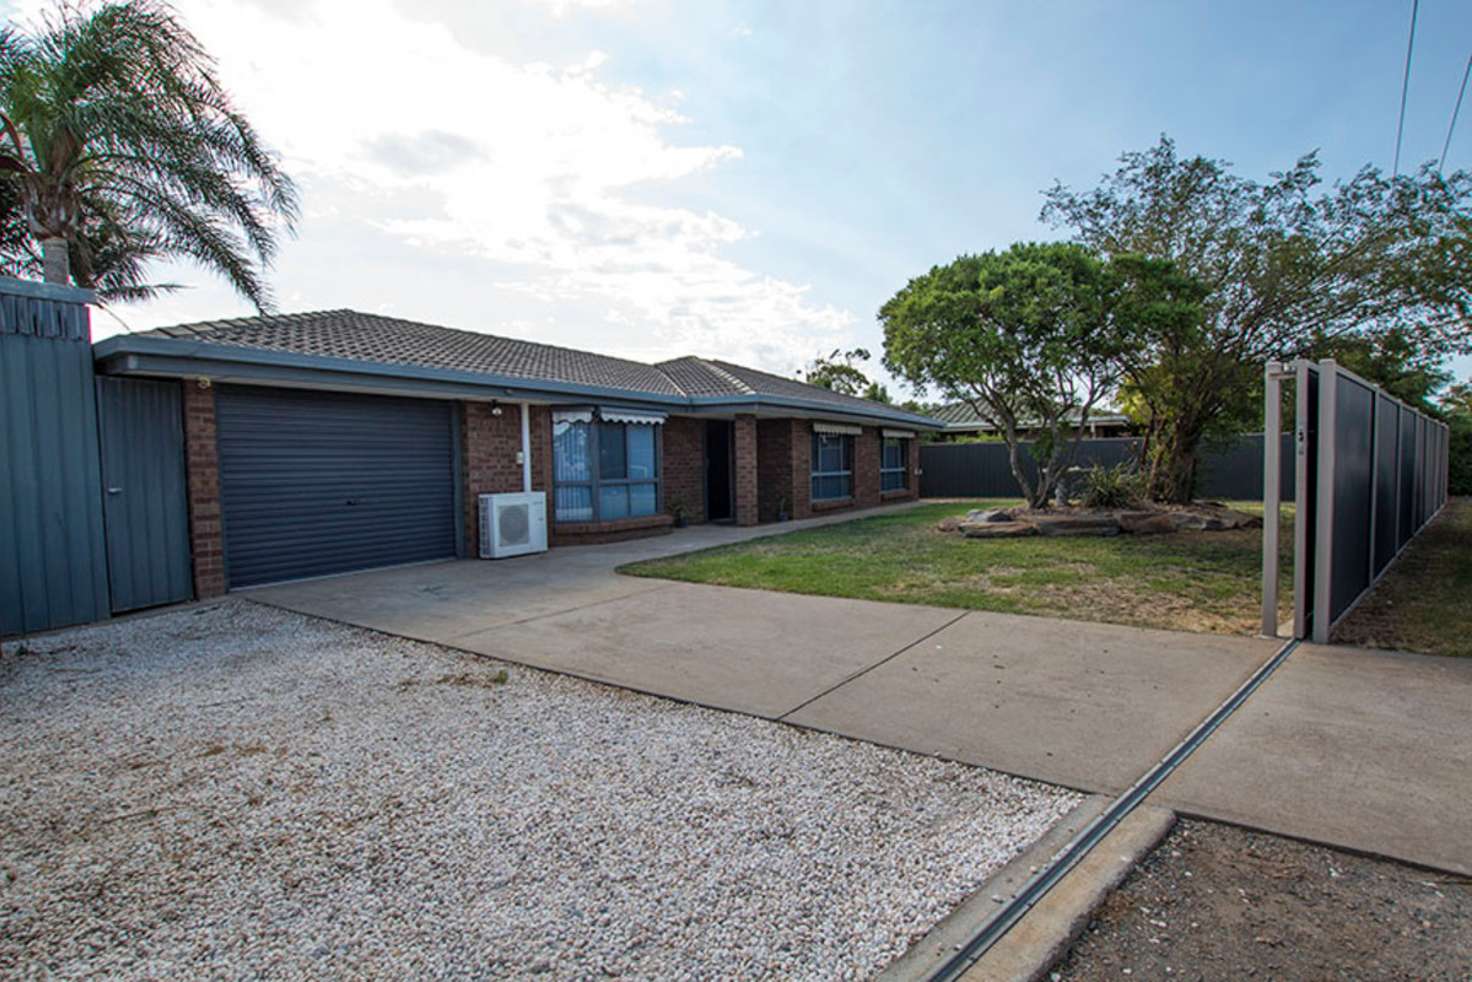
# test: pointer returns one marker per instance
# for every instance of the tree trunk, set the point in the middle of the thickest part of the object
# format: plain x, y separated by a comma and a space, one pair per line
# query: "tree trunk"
1173, 474
55, 261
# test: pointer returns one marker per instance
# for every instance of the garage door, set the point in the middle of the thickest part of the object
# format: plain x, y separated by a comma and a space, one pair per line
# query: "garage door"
320, 482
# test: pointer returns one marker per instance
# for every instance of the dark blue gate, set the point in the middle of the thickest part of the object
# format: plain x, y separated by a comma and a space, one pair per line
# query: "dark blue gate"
143, 492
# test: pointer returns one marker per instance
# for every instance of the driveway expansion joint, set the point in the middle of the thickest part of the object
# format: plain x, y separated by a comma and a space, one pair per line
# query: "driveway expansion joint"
864, 671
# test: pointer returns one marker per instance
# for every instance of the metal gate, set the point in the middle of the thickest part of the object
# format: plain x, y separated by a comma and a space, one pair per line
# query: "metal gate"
1371, 472
313, 483
144, 498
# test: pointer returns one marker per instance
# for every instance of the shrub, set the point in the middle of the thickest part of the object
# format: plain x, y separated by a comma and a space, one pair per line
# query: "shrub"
1112, 487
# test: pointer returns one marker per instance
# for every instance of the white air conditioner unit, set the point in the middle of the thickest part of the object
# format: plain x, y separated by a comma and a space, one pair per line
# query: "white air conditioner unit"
513, 524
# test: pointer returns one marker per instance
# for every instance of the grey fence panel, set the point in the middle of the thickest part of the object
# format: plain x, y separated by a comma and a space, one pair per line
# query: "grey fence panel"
1376, 471
53, 566
144, 496
1353, 433
1387, 459
981, 470
1406, 503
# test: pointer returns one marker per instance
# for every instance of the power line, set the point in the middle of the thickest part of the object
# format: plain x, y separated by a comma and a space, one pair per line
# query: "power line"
1405, 86
1457, 109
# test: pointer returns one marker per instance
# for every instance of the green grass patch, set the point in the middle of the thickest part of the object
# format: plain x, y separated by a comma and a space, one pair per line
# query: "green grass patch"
1422, 603
1201, 581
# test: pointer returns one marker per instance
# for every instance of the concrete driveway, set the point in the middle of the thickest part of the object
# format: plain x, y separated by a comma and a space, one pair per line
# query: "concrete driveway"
1088, 706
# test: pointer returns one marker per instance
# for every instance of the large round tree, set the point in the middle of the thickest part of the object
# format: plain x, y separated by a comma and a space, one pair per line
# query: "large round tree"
1032, 338
119, 146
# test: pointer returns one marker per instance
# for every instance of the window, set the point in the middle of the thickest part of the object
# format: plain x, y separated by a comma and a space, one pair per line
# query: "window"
603, 472
894, 472
832, 466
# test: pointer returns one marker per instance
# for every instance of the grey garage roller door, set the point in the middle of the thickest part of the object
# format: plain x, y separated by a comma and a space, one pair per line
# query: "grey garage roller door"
323, 482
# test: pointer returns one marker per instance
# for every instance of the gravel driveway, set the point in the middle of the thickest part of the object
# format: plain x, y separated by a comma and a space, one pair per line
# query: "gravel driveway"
235, 790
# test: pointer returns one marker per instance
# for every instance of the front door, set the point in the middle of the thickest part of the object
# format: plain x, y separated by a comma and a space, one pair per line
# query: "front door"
144, 501
718, 470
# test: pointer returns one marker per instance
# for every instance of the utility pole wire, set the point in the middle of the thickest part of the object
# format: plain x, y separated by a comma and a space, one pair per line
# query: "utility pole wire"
1457, 109
1405, 86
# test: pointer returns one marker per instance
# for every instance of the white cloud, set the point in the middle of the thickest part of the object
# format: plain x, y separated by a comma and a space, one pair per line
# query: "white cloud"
531, 170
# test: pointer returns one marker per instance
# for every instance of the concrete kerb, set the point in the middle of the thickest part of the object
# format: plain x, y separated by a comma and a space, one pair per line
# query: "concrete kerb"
1035, 943
974, 913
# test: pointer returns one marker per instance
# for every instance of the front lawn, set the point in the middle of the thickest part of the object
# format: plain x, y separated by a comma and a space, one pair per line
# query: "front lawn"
1193, 581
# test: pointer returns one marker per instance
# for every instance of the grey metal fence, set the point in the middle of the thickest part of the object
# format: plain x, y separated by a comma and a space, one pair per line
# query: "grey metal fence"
1370, 470
981, 470
53, 562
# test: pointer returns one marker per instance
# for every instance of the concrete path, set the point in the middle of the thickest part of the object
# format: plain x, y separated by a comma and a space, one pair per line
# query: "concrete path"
1367, 750
1089, 706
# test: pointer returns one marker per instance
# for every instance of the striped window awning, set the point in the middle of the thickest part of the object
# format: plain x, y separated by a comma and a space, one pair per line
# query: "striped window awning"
612, 415
900, 434
572, 416
839, 429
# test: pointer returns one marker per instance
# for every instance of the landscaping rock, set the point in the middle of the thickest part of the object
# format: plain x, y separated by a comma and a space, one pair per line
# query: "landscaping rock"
997, 530
1077, 523
991, 515
1147, 522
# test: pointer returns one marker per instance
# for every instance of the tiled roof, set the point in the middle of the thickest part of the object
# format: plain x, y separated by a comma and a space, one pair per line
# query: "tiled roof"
698, 377
392, 341
961, 414
712, 377
349, 334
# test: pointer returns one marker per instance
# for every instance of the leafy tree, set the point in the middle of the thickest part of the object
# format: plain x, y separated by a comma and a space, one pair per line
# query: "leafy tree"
119, 146
839, 373
1393, 361
875, 392
1456, 407
1286, 268
1025, 337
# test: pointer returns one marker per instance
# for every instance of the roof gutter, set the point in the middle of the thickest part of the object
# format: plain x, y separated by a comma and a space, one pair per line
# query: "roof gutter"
126, 354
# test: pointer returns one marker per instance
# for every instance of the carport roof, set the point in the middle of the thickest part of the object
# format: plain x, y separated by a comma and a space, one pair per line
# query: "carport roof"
344, 338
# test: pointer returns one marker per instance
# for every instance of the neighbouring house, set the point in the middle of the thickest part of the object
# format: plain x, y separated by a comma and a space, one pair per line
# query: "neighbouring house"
323, 442
960, 419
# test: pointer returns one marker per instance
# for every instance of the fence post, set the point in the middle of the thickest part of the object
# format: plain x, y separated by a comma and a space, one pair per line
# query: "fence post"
1272, 448
1324, 519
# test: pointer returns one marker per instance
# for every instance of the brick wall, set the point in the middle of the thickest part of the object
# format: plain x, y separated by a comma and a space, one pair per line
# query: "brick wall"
774, 467
866, 468
202, 466
802, 468
488, 448
684, 466
745, 480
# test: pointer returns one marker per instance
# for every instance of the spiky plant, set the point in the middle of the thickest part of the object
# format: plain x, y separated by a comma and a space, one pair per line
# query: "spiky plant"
120, 147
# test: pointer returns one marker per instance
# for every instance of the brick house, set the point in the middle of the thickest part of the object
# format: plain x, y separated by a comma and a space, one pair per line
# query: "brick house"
324, 442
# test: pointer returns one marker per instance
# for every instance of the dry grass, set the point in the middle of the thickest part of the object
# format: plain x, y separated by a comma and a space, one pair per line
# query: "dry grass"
1424, 603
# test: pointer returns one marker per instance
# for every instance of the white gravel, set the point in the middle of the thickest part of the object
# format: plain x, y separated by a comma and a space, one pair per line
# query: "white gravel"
238, 791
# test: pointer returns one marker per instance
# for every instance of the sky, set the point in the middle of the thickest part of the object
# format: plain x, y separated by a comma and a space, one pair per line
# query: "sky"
751, 181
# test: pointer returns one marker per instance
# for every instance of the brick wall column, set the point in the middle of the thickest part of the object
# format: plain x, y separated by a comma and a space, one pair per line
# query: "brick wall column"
866, 468
801, 469
202, 465
914, 464
747, 504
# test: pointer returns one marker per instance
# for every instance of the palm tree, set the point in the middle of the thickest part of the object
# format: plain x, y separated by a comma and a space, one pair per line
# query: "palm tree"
120, 147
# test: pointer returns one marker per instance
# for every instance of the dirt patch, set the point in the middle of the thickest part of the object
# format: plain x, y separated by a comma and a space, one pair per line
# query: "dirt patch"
1217, 902
1115, 602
